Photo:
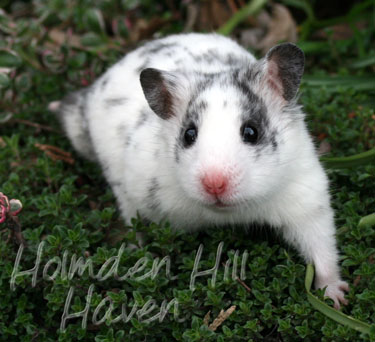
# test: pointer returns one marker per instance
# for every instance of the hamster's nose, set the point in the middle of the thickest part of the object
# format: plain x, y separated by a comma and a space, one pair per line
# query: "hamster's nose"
215, 183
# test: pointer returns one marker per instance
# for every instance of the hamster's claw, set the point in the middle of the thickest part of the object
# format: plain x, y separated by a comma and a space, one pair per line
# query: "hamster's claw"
336, 291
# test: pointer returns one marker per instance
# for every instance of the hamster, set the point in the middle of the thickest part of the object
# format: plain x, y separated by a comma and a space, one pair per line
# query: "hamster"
192, 129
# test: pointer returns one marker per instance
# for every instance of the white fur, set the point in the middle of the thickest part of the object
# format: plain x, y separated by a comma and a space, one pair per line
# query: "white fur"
288, 190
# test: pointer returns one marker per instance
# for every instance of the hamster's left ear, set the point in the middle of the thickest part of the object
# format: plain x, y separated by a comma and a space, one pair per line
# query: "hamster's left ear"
163, 91
284, 68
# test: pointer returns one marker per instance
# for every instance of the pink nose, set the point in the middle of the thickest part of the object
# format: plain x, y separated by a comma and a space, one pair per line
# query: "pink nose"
215, 183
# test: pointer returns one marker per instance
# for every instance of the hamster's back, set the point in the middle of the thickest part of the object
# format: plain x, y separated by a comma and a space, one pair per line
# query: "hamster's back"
116, 99
208, 53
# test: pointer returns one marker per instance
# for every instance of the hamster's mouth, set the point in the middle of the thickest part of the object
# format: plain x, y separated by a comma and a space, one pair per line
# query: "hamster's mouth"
218, 205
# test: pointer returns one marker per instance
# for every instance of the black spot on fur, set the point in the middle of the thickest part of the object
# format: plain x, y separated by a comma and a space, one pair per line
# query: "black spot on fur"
194, 111
201, 106
104, 83
243, 85
73, 104
157, 47
115, 101
76, 99
128, 140
209, 56
273, 141
253, 109
156, 153
121, 130
193, 116
142, 118
254, 112
124, 134
231, 59
189, 53
177, 149
179, 62
152, 199
202, 84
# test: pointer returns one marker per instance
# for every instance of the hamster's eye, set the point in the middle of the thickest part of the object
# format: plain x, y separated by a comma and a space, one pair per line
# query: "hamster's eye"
249, 134
190, 136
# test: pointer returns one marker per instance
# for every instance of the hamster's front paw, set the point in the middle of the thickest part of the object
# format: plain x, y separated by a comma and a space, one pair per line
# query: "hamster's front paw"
336, 291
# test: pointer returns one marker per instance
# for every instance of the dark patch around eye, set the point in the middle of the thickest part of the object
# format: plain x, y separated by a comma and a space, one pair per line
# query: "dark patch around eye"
254, 110
189, 128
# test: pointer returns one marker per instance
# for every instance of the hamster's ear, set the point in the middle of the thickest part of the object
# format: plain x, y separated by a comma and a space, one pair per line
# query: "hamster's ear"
161, 89
284, 69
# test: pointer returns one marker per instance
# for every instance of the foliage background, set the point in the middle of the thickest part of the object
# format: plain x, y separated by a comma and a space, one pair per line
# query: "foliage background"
48, 48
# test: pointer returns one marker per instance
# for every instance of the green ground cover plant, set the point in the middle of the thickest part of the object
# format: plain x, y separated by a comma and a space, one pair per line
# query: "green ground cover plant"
48, 48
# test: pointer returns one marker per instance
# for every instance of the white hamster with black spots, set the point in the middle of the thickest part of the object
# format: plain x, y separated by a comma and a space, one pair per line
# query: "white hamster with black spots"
192, 129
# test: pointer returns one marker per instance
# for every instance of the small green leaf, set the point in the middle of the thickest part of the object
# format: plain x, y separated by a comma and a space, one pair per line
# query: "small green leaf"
368, 220
130, 4
9, 59
95, 21
4, 80
251, 8
23, 82
328, 311
351, 161
347, 81
363, 62
92, 39
4, 117
78, 60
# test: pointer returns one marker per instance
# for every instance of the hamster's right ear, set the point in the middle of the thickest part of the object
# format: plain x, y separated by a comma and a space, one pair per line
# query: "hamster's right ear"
284, 68
161, 89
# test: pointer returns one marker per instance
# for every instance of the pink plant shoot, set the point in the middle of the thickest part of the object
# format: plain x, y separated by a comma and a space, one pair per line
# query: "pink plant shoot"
8, 208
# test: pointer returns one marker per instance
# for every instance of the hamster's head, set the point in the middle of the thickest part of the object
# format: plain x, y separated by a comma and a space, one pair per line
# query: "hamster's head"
231, 136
